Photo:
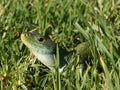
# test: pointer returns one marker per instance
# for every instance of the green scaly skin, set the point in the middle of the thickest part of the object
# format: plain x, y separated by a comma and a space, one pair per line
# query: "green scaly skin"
44, 49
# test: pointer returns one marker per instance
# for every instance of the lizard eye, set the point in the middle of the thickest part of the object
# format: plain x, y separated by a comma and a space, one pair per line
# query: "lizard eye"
40, 39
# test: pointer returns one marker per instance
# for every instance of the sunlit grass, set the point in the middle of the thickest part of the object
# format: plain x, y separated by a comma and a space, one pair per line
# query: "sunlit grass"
68, 23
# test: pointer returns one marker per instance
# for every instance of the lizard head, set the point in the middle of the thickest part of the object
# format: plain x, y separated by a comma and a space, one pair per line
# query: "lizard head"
36, 42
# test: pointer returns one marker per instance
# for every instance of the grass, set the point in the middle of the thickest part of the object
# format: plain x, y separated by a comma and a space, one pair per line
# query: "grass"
69, 23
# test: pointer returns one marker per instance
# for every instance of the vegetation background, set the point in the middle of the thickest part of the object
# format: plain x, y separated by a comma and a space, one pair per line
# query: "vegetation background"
69, 22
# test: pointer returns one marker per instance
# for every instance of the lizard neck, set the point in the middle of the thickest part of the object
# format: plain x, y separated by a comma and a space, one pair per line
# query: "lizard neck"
46, 59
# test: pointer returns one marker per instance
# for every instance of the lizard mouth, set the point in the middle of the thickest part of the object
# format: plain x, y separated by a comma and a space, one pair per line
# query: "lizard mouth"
23, 36
26, 35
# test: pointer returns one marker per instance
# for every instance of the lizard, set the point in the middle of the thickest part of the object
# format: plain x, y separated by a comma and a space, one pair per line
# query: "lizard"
44, 50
